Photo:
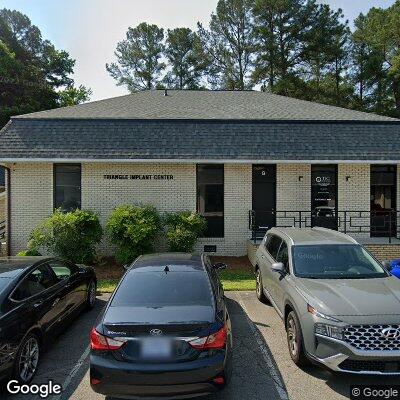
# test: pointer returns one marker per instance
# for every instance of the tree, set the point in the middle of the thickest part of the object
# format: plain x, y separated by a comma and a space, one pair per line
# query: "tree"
72, 96
138, 64
378, 34
185, 55
32, 70
229, 44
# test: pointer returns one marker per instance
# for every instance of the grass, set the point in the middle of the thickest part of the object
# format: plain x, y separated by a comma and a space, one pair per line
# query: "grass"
231, 280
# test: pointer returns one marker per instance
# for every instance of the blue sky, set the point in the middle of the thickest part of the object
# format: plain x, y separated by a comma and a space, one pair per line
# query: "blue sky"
90, 29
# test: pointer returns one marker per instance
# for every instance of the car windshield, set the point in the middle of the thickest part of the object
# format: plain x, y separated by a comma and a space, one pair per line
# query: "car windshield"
335, 262
158, 289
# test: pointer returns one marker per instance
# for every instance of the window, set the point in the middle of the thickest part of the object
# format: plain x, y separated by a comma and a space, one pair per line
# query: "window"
157, 289
67, 186
2, 179
335, 262
61, 270
210, 198
273, 246
283, 256
35, 283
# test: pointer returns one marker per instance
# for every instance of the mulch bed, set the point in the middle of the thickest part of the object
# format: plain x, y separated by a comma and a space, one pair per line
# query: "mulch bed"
108, 268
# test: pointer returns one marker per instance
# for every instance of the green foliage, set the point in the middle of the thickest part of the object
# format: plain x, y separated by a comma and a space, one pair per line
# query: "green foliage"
183, 230
185, 55
72, 96
133, 229
32, 70
71, 236
29, 253
138, 58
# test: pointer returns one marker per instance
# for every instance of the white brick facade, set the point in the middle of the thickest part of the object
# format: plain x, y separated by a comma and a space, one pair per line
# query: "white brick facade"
32, 195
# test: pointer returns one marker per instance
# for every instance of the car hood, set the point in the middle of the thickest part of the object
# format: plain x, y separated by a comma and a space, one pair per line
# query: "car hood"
343, 297
159, 315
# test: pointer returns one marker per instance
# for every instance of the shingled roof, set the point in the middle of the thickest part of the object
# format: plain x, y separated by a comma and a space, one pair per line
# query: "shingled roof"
206, 105
191, 126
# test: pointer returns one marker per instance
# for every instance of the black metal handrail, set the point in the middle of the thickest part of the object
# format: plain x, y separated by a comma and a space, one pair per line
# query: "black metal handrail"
2, 230
382, 223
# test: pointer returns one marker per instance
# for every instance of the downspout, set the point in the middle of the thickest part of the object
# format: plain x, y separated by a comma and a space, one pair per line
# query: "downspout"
8, 213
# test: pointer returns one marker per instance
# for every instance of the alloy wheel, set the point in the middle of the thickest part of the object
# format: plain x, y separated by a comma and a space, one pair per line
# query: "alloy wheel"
292, 337
92, 294
29, 359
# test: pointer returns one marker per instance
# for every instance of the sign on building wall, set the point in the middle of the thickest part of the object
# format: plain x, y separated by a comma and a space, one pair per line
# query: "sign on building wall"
140, 177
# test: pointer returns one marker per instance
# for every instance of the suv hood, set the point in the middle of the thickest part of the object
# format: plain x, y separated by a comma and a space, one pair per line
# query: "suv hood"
341, 297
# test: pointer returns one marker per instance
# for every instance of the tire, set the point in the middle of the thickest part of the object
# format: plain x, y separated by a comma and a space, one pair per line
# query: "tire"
91, 295
27, 359
295, 340
259, 286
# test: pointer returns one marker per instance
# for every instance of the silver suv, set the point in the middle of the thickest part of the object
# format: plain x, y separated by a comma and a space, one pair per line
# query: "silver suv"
340, 306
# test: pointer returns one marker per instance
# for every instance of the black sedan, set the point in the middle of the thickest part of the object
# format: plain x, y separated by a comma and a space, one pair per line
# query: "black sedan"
38, 296
166, 331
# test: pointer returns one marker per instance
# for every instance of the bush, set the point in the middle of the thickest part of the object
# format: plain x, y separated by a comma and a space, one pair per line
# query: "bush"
133, 230
72, 236
31, 251
183, 230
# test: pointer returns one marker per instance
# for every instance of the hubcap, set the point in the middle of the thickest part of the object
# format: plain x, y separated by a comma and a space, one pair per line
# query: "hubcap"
292, 337
92, 293
29, 359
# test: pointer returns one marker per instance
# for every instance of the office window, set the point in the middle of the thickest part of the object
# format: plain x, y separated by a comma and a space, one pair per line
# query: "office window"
67, 186
210, 198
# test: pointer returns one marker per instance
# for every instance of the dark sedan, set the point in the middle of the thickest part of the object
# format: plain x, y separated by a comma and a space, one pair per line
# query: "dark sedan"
38, 296
166, 331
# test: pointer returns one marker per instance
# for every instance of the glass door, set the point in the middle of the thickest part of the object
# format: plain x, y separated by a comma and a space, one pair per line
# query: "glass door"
383, 200
324, 196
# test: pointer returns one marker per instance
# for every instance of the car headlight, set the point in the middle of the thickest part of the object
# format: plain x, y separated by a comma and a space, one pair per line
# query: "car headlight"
313, 311
335, 332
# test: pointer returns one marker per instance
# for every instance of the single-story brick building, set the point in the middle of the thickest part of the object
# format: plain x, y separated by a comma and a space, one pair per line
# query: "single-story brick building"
245, 160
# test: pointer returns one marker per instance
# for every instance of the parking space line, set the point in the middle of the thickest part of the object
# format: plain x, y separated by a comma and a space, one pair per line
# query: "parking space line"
279, 385
72, 373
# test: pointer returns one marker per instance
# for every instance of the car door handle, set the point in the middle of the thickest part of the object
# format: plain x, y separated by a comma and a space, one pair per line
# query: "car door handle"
55, 302
38, 304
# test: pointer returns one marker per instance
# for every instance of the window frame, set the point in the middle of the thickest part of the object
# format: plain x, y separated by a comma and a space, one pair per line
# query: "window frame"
55, 165
223, 198
25, 276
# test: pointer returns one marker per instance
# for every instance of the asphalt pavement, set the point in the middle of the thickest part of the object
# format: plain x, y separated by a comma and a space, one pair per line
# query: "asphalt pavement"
263, 368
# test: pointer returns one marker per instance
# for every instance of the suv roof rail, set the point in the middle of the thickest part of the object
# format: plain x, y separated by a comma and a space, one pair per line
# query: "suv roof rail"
336, 233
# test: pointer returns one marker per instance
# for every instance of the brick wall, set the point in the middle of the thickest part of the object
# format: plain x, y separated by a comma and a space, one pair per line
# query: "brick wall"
31, 200
384, 251
354, 195
293, 191
3, 198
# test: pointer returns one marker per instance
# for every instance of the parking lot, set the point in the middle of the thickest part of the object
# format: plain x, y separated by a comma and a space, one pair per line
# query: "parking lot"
262, 365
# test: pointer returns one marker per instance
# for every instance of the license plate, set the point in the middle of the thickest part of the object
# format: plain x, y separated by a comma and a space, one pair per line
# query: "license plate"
156, 348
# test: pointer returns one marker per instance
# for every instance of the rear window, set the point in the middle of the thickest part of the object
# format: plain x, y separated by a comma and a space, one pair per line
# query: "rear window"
157, 289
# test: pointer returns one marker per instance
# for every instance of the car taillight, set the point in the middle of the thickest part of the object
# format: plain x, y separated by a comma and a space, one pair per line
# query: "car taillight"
216, 340
100, 342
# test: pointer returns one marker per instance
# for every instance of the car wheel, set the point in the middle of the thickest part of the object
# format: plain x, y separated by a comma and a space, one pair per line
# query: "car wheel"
27, 359
91, 295
295, 340
259, 287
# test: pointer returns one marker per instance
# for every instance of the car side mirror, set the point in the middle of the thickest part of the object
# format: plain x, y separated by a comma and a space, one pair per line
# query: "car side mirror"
220, 266
386, 265
278, 267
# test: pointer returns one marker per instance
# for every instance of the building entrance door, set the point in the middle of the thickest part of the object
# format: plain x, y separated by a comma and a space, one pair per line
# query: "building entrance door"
383, 200
264, 198
324, 196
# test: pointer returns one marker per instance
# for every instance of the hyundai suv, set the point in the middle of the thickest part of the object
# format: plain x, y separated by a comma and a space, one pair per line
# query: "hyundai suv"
340, 306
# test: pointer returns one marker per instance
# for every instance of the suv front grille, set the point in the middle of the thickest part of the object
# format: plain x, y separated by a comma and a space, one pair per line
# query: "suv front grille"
372, 337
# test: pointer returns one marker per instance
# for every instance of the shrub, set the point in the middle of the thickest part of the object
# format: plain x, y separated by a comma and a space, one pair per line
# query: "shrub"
133, 230
72, 236
30, 251
183, 230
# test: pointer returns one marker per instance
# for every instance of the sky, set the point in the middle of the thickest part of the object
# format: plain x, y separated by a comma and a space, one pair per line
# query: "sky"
90, 29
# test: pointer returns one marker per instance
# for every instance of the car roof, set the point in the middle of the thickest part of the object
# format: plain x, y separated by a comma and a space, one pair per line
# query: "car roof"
311, 236
19, 263
175, 261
